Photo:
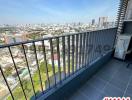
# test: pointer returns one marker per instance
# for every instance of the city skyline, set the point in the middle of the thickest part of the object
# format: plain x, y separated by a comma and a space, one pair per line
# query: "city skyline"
55, 11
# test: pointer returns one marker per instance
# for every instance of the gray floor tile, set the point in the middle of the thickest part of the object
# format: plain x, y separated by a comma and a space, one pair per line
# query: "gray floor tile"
103, 83
78, 96
128, 95
91, 92
98, 96
119, 83
113, 91
104, 76
97, 82
129, 89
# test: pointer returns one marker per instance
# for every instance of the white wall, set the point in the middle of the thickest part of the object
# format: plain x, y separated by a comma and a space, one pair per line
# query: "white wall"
129, 10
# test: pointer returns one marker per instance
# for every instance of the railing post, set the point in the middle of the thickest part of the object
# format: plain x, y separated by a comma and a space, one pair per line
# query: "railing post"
63, 53
36, 58
69, 51
80, 50
73, 54
17, 72
58, 56
52, 59
45, 61
76, 67
28, 69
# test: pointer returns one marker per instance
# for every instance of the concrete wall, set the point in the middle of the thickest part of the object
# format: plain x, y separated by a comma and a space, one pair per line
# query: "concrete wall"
129, 10
127, 29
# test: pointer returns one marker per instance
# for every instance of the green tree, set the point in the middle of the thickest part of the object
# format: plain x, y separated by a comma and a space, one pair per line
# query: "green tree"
43, 67
8, 71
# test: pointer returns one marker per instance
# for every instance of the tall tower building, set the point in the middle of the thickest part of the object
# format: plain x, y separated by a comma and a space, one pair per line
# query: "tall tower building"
93, 21
103, 22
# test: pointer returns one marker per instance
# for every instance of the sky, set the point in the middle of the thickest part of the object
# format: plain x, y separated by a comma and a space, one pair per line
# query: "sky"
55, 11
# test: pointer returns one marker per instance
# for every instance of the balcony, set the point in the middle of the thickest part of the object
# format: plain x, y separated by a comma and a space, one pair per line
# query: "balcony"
51, 71
77, 66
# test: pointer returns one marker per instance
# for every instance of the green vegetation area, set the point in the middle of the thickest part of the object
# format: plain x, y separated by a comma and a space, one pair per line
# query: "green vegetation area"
18, 94
33, 36
8, 71
1, 42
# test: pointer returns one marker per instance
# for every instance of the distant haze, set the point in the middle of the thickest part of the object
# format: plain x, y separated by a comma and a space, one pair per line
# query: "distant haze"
55, 11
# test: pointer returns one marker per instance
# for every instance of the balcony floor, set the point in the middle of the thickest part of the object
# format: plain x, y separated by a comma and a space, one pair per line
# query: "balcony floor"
113, 80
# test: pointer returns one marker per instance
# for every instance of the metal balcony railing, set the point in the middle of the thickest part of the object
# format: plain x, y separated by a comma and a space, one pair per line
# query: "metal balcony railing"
39, 65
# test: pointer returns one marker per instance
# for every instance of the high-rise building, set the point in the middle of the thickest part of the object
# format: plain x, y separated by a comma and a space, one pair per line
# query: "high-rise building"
93, 21
103, 22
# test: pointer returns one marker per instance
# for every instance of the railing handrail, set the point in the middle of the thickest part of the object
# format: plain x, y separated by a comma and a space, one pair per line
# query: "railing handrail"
74, 51
51, 37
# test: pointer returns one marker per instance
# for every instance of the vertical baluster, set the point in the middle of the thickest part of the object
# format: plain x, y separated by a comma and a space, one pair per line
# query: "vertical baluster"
76, 67
29, 70
88, 46
46, 65
91, 47
104, 35
111, 44
101, 41
96, 44
6, 83
111, 39
17, 72
72, 53
80, 50
83, 49
114, 39
36, 58
68, 42
63, 53
52, 58
58, 54
98, 40
86, 50
107, 40
109, 35
94, 53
